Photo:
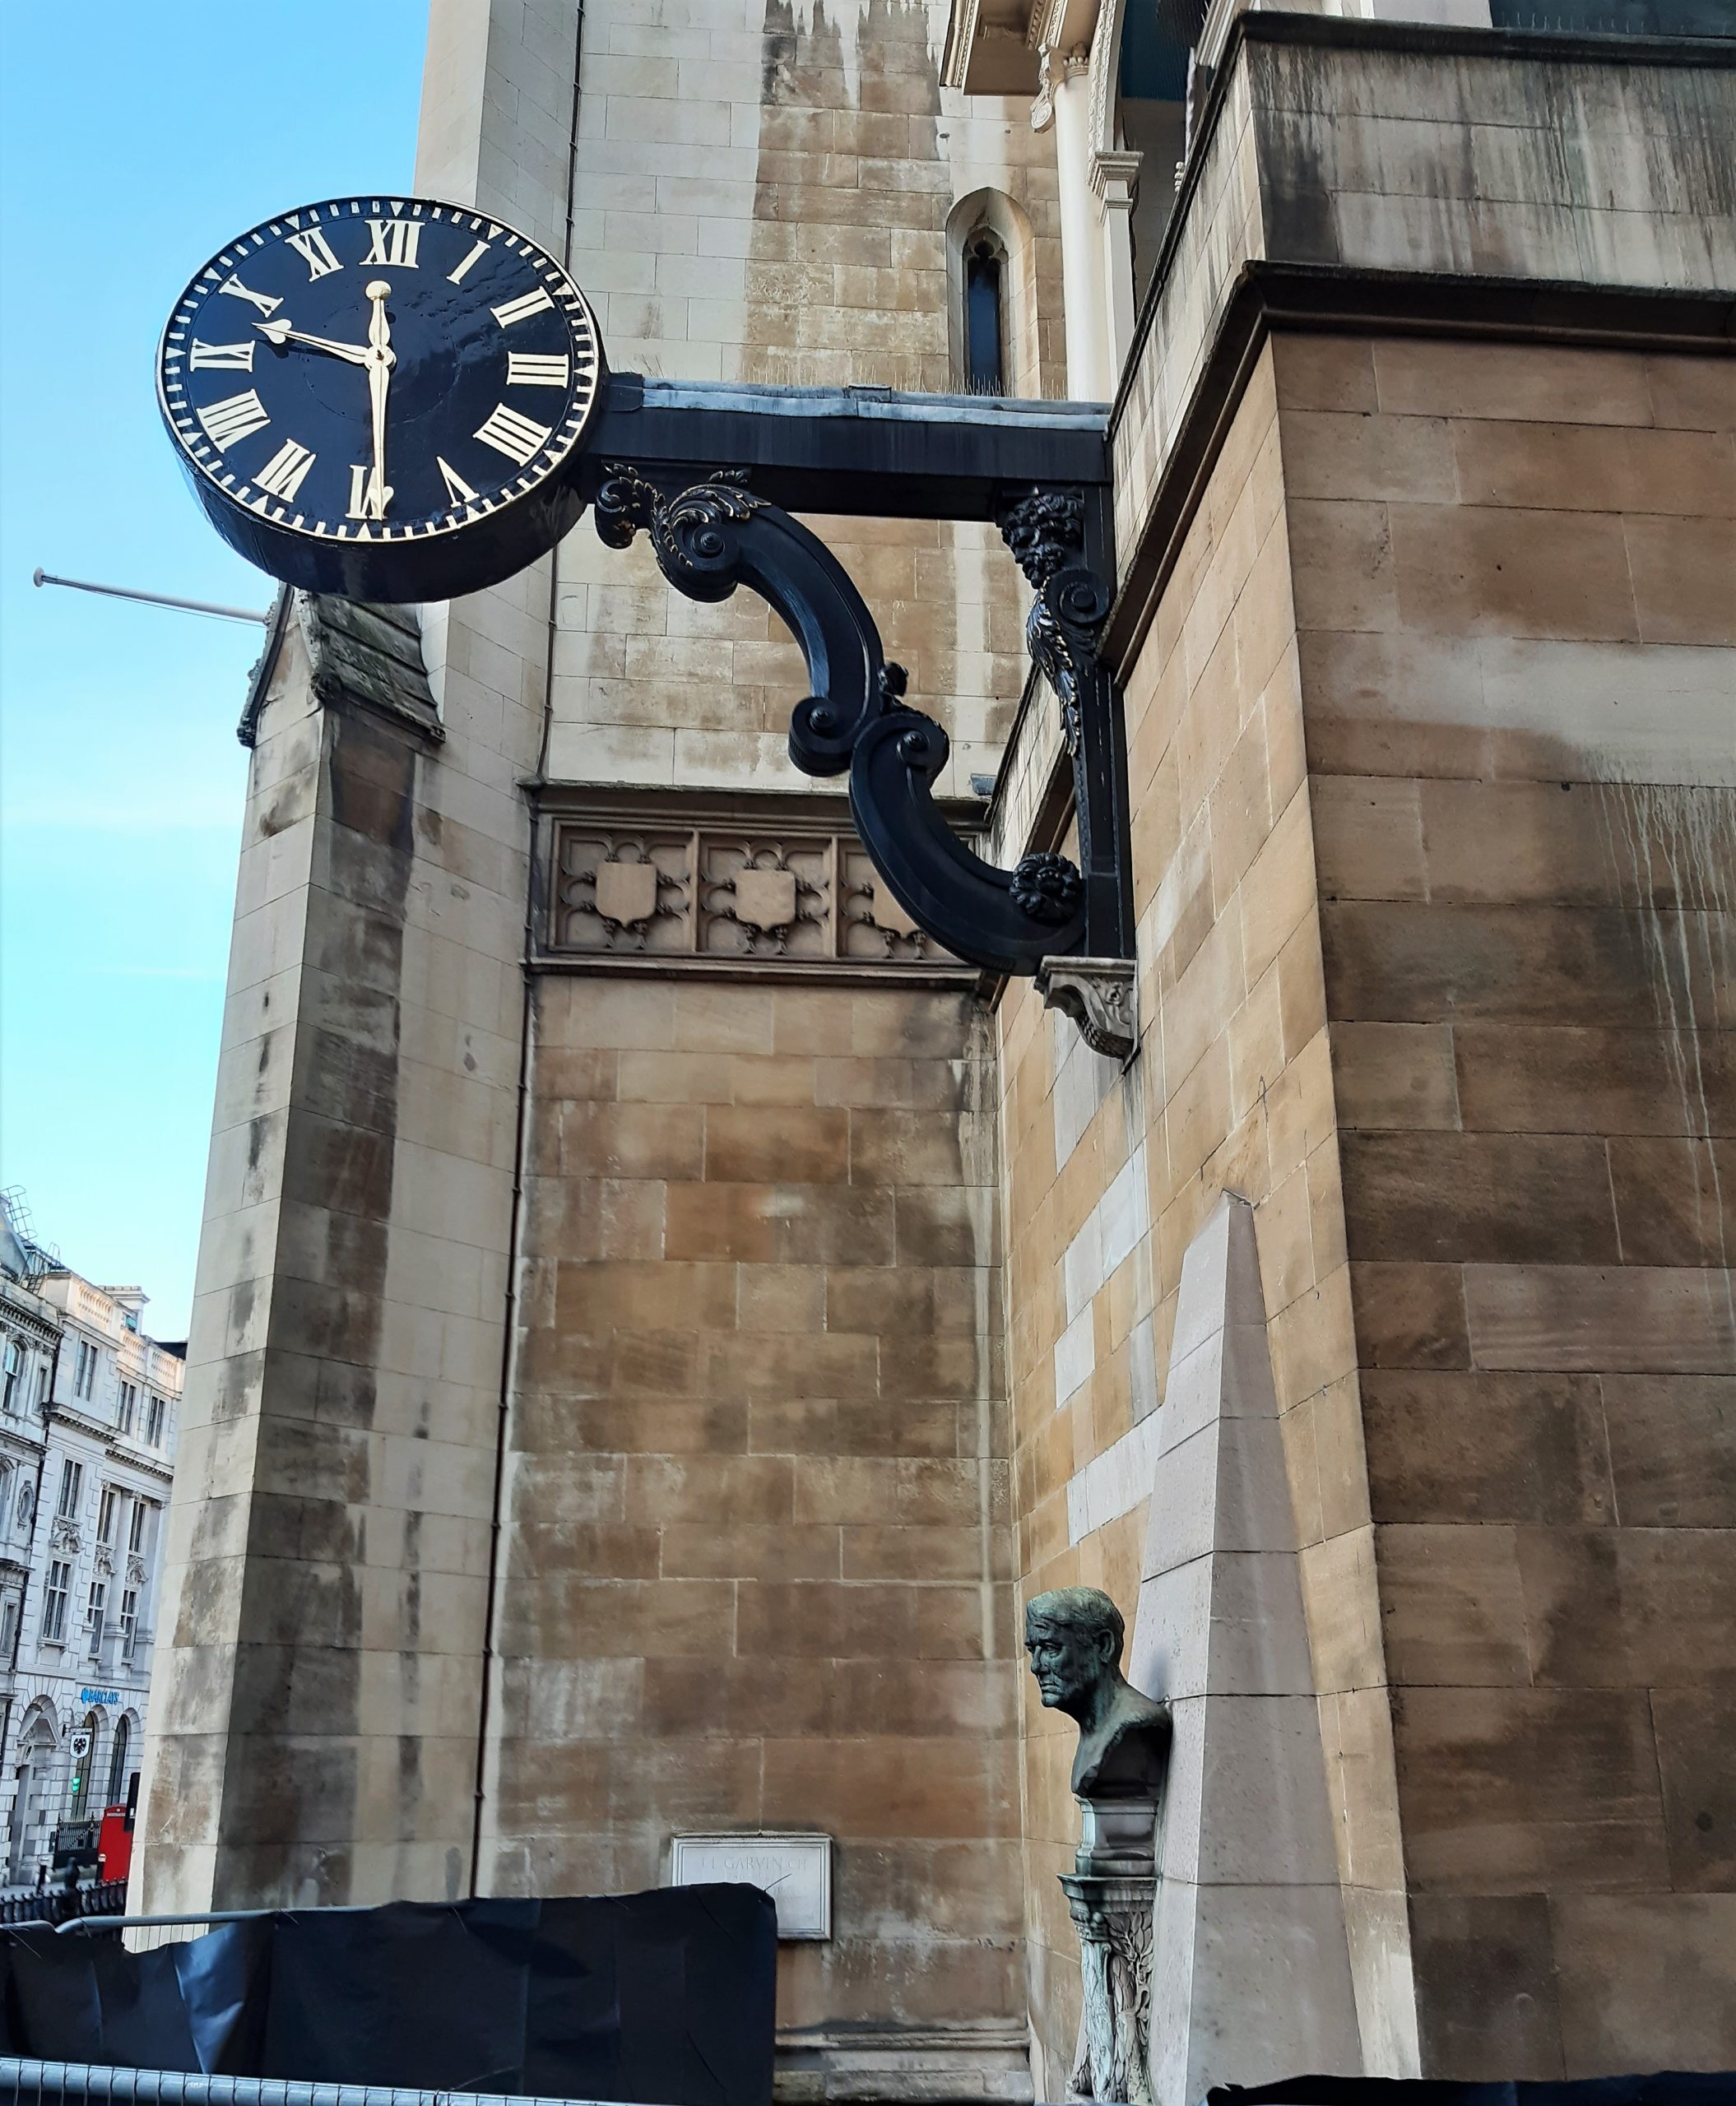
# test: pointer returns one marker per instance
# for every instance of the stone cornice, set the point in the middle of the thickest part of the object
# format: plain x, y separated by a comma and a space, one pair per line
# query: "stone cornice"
152, 1465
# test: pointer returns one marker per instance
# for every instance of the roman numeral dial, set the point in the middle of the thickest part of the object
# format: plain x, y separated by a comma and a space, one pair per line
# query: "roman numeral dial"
537, 370
456, 488
231, 358
520, 438
316, 252
537, 301
236, 417
382, 374
395, 242
287, 470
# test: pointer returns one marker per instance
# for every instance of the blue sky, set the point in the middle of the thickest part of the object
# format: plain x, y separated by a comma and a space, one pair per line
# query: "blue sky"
122, 168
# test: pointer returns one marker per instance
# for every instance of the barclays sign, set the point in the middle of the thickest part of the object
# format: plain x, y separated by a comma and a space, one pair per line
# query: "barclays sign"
98, 1696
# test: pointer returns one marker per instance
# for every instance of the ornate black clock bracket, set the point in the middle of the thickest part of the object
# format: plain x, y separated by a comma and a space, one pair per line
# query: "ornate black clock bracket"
1059, 539
1067, 927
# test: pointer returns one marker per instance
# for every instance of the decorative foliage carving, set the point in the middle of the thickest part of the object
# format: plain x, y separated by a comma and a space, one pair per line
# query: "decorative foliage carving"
1046, 532
1114, 1921
695, 535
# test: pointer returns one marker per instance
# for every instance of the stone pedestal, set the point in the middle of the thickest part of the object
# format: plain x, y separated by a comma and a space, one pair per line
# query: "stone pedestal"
1110, 1897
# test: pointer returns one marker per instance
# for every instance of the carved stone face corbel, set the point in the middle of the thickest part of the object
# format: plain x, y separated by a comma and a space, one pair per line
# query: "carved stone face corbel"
1101, 994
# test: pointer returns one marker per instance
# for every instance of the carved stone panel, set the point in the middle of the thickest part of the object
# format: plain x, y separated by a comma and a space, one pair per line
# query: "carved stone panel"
875, 926
622, 890
779, 882
765, 897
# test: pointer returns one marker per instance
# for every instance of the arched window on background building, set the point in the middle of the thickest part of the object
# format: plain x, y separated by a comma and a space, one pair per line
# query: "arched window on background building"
985, 314
84, 1766
117, 1761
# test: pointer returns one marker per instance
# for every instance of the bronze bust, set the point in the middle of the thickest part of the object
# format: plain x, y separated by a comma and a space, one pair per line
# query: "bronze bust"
1074, 1637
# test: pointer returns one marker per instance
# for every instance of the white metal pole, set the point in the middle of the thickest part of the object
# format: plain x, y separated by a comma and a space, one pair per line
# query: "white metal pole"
40, 577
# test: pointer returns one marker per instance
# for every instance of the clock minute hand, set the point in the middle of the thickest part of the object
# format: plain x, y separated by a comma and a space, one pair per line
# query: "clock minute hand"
280, 333
381, 360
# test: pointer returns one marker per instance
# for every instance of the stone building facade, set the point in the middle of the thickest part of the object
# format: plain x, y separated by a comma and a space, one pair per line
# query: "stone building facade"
659, 1316
88, 1424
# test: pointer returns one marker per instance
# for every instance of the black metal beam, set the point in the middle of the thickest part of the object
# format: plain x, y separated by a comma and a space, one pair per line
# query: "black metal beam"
869, 452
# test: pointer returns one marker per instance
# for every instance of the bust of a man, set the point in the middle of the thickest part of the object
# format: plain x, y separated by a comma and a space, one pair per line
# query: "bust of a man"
1072, 1638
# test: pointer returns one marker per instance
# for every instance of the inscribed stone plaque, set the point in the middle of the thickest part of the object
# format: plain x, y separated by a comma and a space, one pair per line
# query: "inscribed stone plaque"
626, 892
765, 899
794, 1869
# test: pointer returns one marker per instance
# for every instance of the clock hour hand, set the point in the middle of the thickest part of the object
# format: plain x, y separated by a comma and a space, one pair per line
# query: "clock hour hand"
280, 333
380, 360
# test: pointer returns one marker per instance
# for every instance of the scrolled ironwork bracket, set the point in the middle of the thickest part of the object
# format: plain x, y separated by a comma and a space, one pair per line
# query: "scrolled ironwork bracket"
1060, 540
715, 536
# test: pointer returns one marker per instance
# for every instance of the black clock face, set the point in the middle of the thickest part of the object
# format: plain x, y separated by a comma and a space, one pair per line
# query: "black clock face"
376, 396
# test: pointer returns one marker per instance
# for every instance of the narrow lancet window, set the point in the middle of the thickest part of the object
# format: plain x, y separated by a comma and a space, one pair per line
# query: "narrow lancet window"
984, 330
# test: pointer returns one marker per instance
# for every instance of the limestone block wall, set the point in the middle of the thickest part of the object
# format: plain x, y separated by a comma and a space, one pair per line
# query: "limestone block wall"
766, 196
1109, 1178
1513, 576
756, 1560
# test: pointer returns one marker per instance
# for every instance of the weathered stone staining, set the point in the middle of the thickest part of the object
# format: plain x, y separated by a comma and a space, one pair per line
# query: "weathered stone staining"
1073, 1640
658, 1323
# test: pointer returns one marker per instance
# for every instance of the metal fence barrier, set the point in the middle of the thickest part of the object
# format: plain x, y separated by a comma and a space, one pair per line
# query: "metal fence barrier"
55, 1906
24, 2083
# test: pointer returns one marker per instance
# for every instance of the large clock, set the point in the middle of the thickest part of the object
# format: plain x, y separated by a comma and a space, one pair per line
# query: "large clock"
378, 396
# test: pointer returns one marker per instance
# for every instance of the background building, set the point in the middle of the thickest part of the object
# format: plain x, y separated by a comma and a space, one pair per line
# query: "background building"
646, 1346
87, 1435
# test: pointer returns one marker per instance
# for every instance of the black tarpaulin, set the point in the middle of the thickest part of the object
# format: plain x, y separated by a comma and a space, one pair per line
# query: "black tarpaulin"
662, 1999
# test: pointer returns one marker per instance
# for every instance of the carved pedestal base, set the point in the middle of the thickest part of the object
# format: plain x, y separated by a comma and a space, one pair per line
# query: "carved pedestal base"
1114, 1920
